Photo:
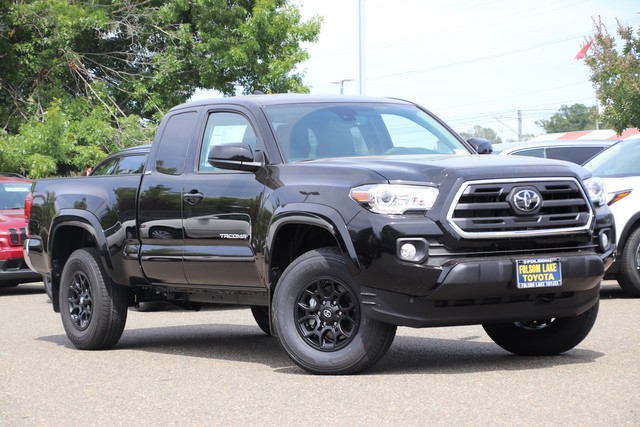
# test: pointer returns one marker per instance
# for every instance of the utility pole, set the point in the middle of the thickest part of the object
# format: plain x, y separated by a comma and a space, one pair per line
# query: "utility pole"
341, 83
519, 125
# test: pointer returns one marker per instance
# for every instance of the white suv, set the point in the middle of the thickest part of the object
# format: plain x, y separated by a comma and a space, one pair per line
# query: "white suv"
619, 168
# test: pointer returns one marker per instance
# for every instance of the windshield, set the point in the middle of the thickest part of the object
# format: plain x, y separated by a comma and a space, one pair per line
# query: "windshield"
12, 194
313, 131
619, 160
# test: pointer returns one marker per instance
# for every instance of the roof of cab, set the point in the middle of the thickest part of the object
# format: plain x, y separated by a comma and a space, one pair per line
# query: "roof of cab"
287, 98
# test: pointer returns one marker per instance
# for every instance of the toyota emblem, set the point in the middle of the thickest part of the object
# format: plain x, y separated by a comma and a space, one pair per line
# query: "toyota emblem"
526, 201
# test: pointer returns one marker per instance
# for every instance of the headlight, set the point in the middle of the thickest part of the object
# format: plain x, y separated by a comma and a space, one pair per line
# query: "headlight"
596, 189
395, 199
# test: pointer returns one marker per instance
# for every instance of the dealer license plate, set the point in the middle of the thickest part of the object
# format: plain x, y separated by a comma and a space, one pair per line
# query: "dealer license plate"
538, 273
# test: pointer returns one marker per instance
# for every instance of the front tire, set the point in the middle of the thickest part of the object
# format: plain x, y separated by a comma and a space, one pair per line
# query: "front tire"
318, 318
93, 309
629, 273
547, 337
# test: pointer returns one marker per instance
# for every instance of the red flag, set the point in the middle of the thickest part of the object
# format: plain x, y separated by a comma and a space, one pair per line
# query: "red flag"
583, 52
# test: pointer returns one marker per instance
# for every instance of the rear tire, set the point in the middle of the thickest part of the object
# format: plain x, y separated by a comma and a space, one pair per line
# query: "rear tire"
543, 337
48, 286
629, 272
93, 309
261, 316
318, 318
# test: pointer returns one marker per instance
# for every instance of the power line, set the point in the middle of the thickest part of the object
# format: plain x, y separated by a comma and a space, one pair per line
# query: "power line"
493, 20
426, 34
519, 95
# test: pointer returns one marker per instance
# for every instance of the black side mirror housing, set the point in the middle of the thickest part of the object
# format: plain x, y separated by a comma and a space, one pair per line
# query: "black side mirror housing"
481, 145
237, 156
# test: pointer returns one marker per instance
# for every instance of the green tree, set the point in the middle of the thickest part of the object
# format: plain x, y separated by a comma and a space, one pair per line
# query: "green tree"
567, 119
615, 74
79, 79
482, 132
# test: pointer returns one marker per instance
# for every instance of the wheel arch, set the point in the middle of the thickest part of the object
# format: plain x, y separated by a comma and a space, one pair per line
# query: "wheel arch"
72, 230
298, 228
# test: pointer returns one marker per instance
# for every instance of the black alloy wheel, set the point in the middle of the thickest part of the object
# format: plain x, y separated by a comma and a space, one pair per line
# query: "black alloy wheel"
80, 301
327, 315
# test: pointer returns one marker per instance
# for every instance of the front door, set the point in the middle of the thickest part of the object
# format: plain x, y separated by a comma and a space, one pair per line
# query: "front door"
220, 210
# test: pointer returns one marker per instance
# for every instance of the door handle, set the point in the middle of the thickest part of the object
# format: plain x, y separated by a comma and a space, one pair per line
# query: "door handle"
193, 197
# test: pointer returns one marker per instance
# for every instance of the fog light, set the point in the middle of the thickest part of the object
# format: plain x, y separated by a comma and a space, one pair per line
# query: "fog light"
604, 240
408, 251
413, 249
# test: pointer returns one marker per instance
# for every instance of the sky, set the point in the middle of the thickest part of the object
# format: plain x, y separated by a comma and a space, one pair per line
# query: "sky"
471, 62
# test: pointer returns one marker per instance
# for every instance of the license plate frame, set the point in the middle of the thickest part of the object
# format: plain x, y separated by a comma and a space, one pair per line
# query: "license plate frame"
538, 273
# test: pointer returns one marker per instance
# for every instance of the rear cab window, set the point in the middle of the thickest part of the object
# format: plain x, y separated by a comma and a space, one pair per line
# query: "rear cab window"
174, 143
125, 165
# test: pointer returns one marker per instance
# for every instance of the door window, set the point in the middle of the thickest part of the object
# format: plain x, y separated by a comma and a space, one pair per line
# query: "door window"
224, 128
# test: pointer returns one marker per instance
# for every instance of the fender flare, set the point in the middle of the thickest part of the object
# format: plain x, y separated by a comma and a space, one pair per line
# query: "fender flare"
318, 215
88, 222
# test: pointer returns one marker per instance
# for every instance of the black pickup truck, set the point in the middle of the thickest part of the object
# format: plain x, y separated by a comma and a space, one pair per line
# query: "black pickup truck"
336, 219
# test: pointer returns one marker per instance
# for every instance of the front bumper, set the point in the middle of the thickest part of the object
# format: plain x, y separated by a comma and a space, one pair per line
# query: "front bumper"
476, 292
34, 256
462, 282
15, 270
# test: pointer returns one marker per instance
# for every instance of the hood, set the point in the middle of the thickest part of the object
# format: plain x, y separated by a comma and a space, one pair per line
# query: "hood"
12, 218
435, 169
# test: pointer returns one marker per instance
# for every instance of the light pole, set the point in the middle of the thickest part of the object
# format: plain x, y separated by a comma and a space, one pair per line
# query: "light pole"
341, 83
361, 45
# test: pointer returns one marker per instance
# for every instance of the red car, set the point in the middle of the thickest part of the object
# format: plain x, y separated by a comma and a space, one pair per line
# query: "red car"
13, 269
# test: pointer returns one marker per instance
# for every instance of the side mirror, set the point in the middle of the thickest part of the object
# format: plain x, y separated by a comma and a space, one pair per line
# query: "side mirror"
234, 156
481, 145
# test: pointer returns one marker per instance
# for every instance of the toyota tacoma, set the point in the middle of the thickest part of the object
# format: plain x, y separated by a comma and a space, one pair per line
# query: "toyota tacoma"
335, 219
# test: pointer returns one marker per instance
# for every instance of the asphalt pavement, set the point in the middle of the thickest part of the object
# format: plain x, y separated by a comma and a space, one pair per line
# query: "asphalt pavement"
215, 367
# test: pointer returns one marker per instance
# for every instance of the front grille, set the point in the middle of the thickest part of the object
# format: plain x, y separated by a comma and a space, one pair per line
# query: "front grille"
17, 236
14, 264
541, 298
486, 209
